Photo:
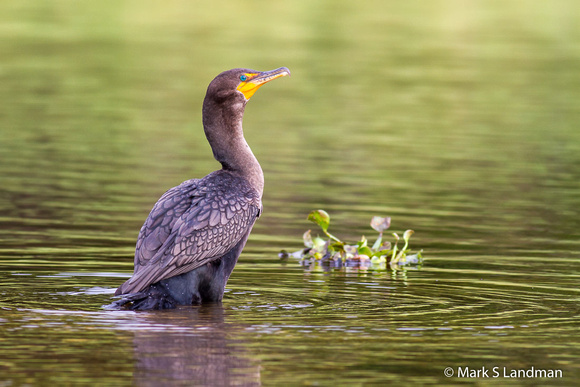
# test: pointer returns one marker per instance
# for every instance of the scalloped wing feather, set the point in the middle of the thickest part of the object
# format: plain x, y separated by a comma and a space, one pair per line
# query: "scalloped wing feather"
191, 225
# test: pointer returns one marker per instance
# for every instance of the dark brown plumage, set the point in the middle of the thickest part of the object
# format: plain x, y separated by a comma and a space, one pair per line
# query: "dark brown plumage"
190, 243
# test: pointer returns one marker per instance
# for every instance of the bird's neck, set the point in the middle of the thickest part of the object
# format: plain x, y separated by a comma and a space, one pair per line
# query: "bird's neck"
223, 129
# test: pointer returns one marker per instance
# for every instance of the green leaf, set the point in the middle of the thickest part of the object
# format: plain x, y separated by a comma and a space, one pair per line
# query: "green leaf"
364, 250
321, 218
377, 243
307, 238
362, 243
319, 244
380, 224
382, 252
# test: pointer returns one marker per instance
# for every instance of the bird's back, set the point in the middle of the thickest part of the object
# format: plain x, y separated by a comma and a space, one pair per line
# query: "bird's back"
192, 224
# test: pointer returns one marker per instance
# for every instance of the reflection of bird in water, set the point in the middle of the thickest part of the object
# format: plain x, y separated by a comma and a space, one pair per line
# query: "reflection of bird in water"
192, 239
191, 347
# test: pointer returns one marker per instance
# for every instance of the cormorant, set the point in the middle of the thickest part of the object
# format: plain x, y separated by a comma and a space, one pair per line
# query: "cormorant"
191, 240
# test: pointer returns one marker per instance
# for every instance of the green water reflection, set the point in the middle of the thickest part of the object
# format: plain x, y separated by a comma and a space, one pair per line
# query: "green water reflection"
459, 120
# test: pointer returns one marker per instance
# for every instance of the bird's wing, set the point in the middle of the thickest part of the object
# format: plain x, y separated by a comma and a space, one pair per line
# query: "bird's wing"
161, 221
190, 225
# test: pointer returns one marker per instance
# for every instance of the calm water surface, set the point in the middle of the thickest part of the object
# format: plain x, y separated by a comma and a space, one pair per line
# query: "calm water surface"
458, 121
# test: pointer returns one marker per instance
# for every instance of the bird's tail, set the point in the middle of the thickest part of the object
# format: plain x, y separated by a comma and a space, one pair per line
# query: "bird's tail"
152, 298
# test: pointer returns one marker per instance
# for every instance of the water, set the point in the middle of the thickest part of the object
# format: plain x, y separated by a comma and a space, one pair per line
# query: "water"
458, 121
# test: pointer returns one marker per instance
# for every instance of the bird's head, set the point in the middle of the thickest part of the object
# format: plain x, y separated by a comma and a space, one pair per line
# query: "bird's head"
237, 83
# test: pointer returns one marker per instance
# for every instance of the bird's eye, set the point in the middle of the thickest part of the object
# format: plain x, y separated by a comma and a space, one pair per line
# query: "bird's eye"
243, 77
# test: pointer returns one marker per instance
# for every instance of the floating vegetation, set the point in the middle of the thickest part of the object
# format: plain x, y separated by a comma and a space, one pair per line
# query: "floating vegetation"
337, 253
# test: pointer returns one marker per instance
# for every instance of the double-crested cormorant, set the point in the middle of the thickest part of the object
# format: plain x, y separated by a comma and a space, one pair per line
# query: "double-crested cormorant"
191, 241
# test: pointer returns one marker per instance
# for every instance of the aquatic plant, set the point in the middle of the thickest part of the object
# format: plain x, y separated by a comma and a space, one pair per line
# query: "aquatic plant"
332, 248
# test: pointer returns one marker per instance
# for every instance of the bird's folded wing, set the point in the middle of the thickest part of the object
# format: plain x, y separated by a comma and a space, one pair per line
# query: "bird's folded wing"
187, 228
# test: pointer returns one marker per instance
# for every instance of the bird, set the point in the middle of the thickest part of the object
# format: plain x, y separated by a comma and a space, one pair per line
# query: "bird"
190, 242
